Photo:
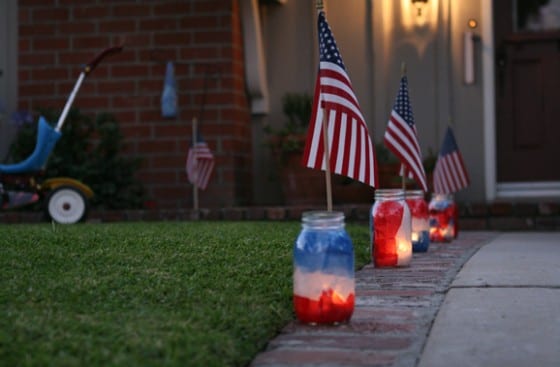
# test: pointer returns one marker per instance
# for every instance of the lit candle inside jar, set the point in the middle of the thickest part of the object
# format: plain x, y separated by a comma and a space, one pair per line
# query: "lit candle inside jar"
404, 252
391, 229
415, 236
403, 239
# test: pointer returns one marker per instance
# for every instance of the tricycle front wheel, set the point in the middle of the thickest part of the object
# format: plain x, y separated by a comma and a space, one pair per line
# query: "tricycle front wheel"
66, 205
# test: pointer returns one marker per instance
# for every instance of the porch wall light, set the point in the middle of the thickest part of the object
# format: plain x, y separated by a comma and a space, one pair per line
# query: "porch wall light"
419, 4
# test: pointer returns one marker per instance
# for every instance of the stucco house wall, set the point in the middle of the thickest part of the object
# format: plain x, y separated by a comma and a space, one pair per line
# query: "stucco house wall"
375, 38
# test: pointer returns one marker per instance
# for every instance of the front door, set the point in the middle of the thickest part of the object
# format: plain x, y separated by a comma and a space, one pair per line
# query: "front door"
527, 41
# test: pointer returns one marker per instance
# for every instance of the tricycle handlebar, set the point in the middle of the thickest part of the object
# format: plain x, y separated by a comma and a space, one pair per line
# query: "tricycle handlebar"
99, 57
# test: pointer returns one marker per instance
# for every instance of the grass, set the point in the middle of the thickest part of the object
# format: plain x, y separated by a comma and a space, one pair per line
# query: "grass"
149, 294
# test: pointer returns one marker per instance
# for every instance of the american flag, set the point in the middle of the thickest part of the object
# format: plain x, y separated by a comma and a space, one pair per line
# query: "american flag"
401, 138
200, 163
450, 174
351, 151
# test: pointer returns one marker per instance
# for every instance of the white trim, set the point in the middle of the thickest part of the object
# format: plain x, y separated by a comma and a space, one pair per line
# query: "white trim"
489, 102
528, 190
9, 65
255, 66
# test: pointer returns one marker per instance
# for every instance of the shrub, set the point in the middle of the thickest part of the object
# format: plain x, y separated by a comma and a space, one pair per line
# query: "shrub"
89, 151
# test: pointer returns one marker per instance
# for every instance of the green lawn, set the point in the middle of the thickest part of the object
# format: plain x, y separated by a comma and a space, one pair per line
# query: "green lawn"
146, 294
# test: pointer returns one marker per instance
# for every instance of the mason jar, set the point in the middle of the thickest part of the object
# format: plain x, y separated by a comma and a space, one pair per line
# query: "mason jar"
443, 217
391, 229
420, 220
324, 285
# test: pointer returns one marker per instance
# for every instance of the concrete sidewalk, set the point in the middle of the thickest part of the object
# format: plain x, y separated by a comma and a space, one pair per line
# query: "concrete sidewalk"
503, 308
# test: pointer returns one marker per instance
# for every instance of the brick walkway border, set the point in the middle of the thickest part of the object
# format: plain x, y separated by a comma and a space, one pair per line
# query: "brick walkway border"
479, 217
395, 309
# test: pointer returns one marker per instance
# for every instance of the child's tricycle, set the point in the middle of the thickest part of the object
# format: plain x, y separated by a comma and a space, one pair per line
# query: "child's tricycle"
65, 199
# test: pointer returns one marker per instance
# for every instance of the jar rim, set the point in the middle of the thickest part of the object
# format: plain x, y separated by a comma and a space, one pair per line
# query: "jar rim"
389, 191
322, 220
389, 194
313, 215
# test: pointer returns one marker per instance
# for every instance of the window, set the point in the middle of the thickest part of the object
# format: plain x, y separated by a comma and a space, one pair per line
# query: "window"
537, 15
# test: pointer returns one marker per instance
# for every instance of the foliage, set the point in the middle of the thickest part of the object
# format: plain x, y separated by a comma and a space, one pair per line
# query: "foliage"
430, 161
89, 151
149, 294
385, 156
297, 108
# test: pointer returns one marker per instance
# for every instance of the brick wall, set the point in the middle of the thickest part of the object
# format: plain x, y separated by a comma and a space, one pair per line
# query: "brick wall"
203, 37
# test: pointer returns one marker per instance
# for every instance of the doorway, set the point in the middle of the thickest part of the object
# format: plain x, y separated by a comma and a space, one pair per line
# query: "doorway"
527, 91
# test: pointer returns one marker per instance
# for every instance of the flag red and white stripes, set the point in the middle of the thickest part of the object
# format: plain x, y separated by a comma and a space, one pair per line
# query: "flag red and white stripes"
200, 164
351, 152
401, 138
450, 174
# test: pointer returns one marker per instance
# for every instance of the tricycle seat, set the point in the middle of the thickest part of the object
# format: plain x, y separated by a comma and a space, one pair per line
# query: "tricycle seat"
46, 140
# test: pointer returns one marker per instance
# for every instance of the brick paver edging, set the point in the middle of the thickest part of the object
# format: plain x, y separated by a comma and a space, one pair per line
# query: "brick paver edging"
395, 309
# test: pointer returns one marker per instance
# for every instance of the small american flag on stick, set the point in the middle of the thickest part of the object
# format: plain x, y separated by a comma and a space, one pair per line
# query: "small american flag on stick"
450, 174
200, 163
400, 136
350, 150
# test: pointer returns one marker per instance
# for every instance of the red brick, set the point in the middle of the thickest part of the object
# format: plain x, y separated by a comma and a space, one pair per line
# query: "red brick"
49, 15
121, 25
174, 8
130, 70
115, 87
97, 103
157, 146
35, 3
76, 27
549, 208
501, 209
396, 293
330, 357
35, 89
211, 37
233, 213
96, 42
197, 21
132, 10
340, 340
50, 43
158, 24
275, 213
90, 12
213, 6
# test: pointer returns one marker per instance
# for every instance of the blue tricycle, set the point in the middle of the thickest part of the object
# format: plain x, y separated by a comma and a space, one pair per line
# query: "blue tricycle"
66, 200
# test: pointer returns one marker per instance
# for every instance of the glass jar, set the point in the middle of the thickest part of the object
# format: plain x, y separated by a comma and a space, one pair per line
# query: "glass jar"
443, 217
420, 220
391, 229
324, 285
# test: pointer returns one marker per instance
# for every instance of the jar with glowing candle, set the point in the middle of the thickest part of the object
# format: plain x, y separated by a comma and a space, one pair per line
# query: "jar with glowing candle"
324, 284
443, 217
420, 220
391, 229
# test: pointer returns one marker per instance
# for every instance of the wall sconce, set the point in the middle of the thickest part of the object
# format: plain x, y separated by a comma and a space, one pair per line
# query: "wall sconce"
470, 38
419, 5
419, 14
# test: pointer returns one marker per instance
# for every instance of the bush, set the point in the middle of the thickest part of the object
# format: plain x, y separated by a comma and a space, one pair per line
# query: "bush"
89, 151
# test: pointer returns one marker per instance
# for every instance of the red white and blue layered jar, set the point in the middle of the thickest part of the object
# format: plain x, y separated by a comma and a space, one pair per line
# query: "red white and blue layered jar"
443, 218
391, 229
420, 220
324, 285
